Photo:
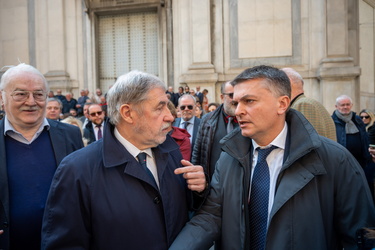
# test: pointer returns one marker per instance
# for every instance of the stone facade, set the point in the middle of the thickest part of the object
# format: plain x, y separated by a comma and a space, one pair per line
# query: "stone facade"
204, 42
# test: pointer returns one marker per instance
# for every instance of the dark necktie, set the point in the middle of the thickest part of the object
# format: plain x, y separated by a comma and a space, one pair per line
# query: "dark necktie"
142, 158
99, 132
186, 124
259, 197
230, 124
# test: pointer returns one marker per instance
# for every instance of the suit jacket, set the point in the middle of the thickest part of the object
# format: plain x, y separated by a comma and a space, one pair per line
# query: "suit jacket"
65, 138
101, 198
88, 132
197, 121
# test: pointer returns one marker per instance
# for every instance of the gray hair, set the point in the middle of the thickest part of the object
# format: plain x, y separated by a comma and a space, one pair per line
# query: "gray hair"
343, 97
20, 68
53, 99
131, 88
187, 96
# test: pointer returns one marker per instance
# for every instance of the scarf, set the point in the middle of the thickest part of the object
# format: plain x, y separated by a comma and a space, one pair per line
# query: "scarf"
350, 127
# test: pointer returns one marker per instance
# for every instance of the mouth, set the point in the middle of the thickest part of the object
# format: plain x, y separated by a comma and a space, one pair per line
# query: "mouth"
242, 123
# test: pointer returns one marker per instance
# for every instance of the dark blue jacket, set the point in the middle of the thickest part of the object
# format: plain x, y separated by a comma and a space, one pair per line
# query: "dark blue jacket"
101, 198
341, 135
65, 138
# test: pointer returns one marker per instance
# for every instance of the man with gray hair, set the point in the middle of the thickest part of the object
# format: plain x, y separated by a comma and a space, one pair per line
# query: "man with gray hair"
31, 148
54, 108
351, 133
124, 190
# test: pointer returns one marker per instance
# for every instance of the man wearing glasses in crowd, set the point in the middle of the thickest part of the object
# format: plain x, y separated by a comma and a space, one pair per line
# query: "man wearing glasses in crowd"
31, 148
93, 130
188, 120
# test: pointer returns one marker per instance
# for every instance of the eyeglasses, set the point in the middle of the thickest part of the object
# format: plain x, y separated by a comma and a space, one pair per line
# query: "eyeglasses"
365, 117
21, 96
188, 106
229, 94
99, 113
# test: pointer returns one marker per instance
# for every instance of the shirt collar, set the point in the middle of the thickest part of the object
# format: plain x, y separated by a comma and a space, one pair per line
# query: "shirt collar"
133, 150
279, 141
8, 126
191, 121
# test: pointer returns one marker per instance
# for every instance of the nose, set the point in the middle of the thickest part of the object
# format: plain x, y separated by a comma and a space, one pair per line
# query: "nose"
239, 109
32, 100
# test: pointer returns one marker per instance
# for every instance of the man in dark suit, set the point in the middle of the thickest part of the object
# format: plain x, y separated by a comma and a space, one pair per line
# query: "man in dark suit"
199, 94
106, 196
188, 120
31, 147
93, 130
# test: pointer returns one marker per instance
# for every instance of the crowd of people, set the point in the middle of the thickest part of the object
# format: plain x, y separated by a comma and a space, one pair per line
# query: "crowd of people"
144, 167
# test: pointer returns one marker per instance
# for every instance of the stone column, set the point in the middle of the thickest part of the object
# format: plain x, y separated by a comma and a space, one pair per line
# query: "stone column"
338, 72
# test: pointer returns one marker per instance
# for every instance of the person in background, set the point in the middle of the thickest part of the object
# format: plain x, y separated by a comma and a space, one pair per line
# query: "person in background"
96, 97
181, 136
127, 190
188, 120
174, 96
187, 90
93, 130
76, 122
81, 101
205, 100
313, 110
279, 184
68, 103
73, 113
213, 127
51, 94
60, 95
31, 149
53, 109
213, 106
351, 133
368, 119
199, 94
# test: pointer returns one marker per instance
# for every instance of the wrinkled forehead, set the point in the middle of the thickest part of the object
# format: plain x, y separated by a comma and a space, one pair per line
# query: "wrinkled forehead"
25, 81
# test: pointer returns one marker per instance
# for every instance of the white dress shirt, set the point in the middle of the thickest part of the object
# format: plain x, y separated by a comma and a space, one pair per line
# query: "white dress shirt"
274, 161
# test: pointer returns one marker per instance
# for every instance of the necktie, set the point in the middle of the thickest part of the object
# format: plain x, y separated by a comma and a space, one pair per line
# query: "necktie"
229, 125
142, 160
99, 132
259, 196
186, 124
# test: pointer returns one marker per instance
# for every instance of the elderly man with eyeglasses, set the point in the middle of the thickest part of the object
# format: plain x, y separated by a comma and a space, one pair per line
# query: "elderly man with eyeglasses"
93, 130
31, 148
188, 120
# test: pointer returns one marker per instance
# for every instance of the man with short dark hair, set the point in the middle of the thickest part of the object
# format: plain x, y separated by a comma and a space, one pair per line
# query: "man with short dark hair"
31, 147
279, 184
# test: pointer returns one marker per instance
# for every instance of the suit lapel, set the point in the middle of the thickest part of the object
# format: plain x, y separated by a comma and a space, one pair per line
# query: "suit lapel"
4, 195
57, 140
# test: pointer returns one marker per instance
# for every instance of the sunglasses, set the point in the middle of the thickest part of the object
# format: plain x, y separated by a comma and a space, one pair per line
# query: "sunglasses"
229, 94
96, 113
188, 106
365, 117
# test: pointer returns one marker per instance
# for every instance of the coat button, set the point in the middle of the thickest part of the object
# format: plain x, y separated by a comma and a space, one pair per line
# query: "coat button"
157, 200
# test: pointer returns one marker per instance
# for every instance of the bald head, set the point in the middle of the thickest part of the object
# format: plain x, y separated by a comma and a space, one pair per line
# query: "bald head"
296, 81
